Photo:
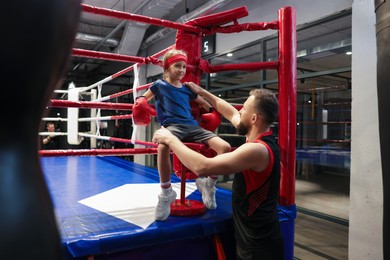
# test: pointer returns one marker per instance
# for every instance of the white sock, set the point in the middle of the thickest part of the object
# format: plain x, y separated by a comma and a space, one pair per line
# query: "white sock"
211, 182
166, 191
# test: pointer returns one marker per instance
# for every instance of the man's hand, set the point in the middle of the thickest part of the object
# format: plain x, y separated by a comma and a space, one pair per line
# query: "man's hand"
162, 136
194, 87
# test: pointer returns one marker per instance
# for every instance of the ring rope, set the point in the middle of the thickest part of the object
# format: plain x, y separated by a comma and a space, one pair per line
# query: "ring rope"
106, 56
87, 119
97, 152
58, 119
52, 133
89, 104
194, 146
117, 74
106, 138
139, 18
120, 140
122, 93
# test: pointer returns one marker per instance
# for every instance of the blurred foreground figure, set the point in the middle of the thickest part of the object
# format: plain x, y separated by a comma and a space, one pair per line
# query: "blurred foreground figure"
40, 35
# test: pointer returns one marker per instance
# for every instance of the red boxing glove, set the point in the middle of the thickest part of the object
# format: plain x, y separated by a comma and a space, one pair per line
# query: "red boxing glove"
142, 111
210, 121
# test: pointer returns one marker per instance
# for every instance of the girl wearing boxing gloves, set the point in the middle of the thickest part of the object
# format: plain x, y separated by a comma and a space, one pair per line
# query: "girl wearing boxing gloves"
172, 103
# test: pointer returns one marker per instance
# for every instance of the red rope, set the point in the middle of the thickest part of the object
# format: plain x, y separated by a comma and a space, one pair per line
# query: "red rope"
128, 91
106, 56
138, 18
96, 152
89, 104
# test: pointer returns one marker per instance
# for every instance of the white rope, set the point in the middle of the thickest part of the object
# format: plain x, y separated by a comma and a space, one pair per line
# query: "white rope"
54, 119
87, 119
101, 137
84, 89
112, 77
53, 133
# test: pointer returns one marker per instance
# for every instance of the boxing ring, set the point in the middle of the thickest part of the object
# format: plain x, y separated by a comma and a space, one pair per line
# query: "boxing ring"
105, 208
104, 205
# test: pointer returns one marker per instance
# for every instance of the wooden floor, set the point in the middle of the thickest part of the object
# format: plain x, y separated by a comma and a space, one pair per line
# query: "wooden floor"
321, 227
316, 238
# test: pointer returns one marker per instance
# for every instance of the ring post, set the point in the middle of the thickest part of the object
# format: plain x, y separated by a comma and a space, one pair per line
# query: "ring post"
73, 117
287, 125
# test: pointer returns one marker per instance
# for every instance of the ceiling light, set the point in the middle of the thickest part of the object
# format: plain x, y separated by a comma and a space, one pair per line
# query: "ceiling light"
349, 53
229, 54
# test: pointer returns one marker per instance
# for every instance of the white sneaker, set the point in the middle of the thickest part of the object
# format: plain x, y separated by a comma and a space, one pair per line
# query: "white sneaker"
208, 193
163, 209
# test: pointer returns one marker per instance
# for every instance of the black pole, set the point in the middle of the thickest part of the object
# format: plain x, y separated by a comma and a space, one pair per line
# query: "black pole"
382, 10
37, 40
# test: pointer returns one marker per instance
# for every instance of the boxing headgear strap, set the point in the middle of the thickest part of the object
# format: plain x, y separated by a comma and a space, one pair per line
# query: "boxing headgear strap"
174, 59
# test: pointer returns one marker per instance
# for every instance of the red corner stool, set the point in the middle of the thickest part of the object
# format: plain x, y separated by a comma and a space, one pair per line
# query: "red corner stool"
183, 206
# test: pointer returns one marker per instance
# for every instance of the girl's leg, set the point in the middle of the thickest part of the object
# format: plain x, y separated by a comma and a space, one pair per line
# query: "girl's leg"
167, 195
